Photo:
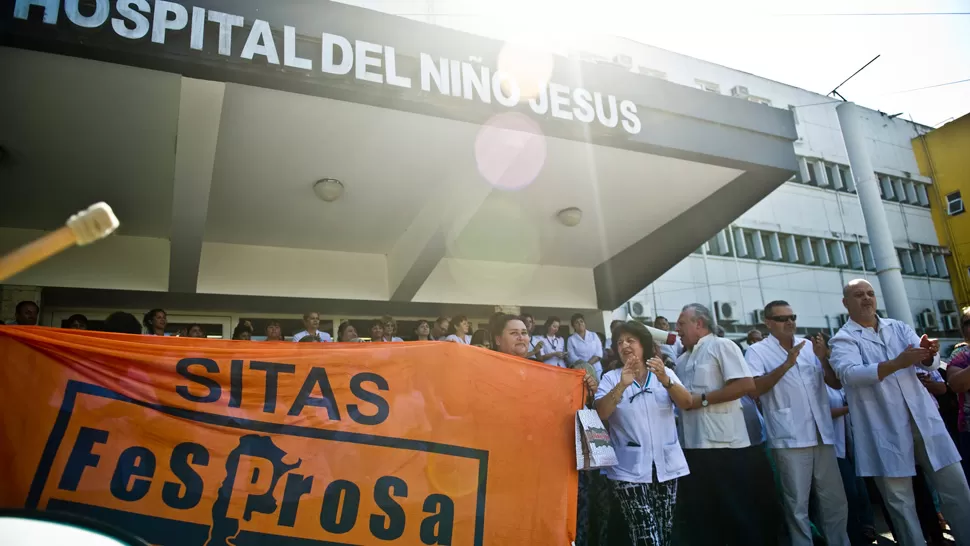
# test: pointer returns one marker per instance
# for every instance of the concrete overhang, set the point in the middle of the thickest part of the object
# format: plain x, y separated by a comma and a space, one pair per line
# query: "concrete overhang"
449, 199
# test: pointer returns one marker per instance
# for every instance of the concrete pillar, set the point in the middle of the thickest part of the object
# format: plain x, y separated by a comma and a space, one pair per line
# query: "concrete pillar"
877, 227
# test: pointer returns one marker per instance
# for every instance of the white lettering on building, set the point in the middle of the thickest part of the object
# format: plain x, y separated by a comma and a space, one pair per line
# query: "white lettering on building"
367, 61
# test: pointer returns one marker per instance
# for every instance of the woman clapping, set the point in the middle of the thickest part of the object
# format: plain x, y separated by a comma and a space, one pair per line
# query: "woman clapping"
638, 401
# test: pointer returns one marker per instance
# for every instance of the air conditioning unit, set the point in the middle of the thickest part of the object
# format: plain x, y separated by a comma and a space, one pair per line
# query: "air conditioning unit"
882, 313
947, 306
637, 309
927, 319
739, 91
625, 61
843, 319
950, 322
727, 311
759, 316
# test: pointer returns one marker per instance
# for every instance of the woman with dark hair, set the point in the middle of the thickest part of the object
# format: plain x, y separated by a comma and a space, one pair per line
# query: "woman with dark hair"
346, 333
510, 335
458, 331
120, 322
377, 330
274, 332
638, 402
195, 330
553, 348
77, 322
155, 322
422, 331
482, 338
242, 333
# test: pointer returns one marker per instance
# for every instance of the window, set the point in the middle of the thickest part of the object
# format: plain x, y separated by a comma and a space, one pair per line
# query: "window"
922, 196
708, 86
822, 252
906, 261
855, 256
750, 245
740, 244
886, 187
812, 176
918, 262
868, 259
839, 258
931, 269
789, 249
834, 179
941, 265
719, 245
954, 204
898, 191
911, 196
773, 245
847, 179
805, 250
759, 100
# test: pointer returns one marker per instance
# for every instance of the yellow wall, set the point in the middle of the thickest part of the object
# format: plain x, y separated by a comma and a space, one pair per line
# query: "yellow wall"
944, 155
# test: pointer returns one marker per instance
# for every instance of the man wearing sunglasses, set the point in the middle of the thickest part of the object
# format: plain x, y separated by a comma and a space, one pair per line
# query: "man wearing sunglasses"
790, 377
896, 425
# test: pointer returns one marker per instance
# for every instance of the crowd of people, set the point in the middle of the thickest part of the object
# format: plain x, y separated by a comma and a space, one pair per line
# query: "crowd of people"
792, 440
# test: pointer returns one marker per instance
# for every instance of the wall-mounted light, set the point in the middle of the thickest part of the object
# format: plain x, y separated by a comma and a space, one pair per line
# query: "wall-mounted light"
328, 189
570, 217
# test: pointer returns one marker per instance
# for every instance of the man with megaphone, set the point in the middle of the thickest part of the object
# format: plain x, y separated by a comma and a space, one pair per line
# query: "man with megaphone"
896, 424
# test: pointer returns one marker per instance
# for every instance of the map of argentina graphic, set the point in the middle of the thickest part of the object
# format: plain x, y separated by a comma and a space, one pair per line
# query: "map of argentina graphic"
224, 527
267, 487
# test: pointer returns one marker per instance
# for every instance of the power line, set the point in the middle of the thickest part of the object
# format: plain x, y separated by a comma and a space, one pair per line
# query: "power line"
927, 87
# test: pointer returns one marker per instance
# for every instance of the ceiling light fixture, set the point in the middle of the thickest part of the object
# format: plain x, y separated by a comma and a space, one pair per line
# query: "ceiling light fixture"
328, 189
570, 217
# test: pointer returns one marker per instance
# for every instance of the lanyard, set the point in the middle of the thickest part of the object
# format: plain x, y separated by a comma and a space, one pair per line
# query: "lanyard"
645, 388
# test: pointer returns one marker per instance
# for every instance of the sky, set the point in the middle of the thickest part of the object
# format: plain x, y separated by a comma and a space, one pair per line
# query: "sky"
813, 45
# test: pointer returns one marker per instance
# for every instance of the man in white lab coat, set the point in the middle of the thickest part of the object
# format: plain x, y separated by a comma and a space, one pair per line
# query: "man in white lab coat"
790, 379
896, 425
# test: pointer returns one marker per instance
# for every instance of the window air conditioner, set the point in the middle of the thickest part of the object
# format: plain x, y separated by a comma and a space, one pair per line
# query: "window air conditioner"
637, 309
951, 322
759, 316
739, 91
726, 311
947, 306
625, 61
927, 320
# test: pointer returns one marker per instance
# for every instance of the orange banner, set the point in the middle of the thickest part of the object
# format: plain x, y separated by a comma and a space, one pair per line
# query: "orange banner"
202, 442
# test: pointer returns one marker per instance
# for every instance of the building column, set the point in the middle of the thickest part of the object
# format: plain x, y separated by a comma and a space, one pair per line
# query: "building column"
874, 213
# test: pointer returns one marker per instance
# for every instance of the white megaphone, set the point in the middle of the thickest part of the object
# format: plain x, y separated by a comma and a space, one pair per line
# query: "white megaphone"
661, 337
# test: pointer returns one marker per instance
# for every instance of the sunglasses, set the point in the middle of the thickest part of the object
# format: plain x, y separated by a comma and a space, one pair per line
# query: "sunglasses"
784, 318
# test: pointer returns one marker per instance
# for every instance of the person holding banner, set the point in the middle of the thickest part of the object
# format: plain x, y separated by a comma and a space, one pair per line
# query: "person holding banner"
638, 402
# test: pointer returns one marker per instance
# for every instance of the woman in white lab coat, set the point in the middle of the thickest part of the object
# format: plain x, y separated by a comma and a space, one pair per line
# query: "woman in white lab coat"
638, 403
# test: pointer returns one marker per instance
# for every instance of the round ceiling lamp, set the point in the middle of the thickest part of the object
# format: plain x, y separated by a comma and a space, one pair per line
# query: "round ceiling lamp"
570, 217
328, 189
